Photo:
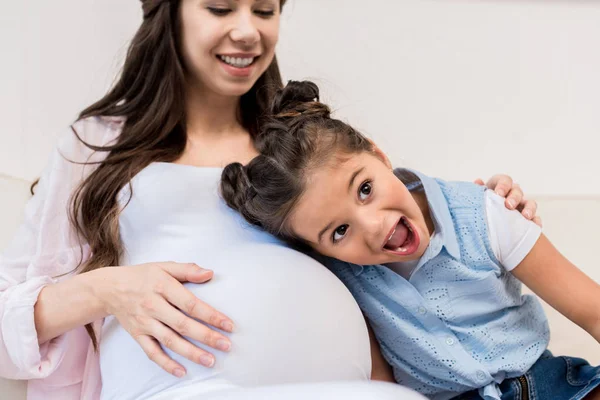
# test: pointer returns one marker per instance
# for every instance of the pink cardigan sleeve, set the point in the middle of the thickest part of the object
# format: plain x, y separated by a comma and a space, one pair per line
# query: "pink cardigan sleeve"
44, 247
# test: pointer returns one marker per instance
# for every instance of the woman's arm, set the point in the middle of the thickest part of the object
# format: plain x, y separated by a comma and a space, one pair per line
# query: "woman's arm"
66, 305
380, 369
562, 285
40, 250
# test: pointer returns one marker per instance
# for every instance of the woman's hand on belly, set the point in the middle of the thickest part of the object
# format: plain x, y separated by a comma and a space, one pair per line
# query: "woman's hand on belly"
151, 303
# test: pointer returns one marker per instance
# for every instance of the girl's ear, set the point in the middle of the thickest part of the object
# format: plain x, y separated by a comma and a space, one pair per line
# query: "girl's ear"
381, 155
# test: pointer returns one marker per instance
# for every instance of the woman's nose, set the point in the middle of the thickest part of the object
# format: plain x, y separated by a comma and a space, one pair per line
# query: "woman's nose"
245, 31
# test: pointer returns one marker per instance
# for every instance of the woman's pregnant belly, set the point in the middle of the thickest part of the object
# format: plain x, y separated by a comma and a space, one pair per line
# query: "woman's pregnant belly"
295, 322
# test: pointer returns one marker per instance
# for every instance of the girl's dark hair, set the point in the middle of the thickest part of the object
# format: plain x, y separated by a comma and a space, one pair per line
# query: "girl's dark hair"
299, 136
150, 95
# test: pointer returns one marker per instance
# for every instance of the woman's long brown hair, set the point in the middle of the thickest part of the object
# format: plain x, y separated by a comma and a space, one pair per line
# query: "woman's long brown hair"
150, 95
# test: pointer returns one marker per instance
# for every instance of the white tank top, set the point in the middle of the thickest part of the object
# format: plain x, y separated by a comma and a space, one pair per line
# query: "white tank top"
295, 321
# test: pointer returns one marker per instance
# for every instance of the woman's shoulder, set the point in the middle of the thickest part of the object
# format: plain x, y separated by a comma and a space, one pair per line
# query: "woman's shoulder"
98, 130
82, 140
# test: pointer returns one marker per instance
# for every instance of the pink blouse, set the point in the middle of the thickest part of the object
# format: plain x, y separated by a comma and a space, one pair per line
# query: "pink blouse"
44, 247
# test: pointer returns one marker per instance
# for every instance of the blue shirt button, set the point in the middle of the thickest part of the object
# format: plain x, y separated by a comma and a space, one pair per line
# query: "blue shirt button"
481, 375
450, 341
422, 310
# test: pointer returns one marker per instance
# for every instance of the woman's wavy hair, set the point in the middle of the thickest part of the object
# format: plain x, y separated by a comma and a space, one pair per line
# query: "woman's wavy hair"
150, 96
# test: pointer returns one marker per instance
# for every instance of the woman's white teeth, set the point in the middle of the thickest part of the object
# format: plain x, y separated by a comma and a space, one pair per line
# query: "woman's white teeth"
237, 61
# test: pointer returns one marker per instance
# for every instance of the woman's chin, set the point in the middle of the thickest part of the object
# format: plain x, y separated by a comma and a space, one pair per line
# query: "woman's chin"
235, 89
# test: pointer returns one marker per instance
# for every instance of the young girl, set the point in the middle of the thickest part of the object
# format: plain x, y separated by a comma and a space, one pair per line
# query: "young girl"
435, 266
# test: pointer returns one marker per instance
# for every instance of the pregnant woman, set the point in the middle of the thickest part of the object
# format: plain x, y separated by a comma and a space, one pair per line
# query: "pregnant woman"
100, 290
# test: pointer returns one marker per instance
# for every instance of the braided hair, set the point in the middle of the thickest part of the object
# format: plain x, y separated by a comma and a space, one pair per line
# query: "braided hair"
298, 137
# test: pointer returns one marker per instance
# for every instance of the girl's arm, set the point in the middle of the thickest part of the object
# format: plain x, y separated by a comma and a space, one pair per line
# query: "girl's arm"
562, 285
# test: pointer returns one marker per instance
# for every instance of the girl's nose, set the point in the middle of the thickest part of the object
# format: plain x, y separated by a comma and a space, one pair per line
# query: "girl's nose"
372, 228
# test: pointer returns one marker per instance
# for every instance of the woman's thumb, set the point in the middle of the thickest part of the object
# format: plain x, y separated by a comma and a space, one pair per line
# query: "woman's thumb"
188, 272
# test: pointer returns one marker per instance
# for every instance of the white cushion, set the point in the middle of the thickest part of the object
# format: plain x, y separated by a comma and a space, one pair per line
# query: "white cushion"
13, 195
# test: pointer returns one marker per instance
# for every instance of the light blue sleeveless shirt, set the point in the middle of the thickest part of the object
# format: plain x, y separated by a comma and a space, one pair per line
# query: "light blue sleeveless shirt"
459, 322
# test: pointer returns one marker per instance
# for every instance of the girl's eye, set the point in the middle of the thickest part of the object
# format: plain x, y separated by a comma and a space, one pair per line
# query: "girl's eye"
219, 12
264, 13
365, 190
339, 233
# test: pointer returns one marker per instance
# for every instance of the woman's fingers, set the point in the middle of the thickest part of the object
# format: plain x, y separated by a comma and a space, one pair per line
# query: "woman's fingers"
183, 299
515, 197
501, 184
516, 200
529, 210
187, 272
504, 186
157, 355
189, 327
174, 342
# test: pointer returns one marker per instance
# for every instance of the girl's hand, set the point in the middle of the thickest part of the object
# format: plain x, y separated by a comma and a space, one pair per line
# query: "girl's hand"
504, 186
150, 302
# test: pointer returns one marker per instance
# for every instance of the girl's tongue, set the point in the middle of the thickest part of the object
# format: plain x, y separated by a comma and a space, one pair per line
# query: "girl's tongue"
398, 238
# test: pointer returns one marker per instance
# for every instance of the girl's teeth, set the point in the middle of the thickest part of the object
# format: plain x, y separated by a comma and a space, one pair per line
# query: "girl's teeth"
237, 61
406, 224
401, 249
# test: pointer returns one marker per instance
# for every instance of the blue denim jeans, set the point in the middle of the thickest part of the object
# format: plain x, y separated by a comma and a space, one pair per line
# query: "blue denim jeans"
550, 378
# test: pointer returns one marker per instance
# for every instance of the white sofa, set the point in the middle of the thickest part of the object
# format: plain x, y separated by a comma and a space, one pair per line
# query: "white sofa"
13, 195
569, 223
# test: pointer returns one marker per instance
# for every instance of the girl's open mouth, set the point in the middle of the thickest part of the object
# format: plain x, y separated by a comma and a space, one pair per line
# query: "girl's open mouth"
403, 239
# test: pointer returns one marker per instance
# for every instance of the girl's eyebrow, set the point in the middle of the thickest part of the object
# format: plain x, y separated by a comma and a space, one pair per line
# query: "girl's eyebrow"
354, 175
323, 231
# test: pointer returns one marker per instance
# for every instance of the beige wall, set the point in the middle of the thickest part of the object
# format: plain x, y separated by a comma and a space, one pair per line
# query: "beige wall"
456, 88
462, 88
57, 57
